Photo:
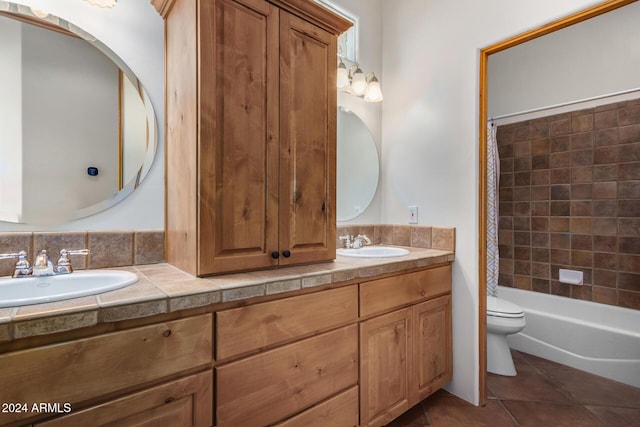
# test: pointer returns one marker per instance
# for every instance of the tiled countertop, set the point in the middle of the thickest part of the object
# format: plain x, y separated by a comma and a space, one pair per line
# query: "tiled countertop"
162, 288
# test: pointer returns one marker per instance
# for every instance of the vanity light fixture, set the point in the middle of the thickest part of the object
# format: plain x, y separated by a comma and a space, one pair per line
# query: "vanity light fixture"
102, 3
352, 80
39, 13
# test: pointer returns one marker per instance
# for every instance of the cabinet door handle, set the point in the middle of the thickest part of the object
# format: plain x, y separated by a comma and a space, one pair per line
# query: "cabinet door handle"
286, 254
275, 254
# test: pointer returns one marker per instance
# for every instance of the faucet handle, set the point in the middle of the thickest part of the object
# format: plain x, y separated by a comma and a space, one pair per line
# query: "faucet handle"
64, 264
347, 238
22, 268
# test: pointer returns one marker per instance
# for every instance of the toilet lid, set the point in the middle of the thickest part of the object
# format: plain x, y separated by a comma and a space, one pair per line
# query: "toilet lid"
502, 308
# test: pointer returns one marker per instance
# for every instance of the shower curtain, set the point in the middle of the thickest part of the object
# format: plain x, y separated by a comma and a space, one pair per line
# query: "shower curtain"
493, 177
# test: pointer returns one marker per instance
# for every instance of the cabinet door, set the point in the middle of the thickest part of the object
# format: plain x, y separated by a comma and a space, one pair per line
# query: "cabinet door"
432, 347
308, 141
181, 403
385, 360
238, 146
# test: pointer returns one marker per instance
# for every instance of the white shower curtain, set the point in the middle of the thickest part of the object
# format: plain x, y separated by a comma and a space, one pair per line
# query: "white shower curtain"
493, 178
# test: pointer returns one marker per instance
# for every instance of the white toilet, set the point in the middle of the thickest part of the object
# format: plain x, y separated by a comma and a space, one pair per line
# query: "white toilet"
503, 318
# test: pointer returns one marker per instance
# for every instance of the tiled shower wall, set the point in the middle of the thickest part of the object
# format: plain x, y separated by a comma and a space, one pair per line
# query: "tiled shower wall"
570, 198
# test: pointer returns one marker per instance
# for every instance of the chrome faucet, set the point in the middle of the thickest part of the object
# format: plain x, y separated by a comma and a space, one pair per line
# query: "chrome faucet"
64, 264
357, 243
42, 265
22, 268
347, 240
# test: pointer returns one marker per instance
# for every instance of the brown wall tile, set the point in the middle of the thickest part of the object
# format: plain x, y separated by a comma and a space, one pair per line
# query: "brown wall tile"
580, 141
605, 119
605, 208
402, 235
629, 190
574, 202
605, 173
603, 138
148, 247
605, 190
560, 143
605, 296
110, 249
582, 123
421, 236
605, 243
605, 278
629, 152
627, 134
629, 226
443, 238
629, 115
629, 281
14, 243
629, 299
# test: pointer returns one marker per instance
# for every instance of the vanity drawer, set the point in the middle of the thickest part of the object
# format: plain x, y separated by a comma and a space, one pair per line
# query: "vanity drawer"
241, 330
80, 370
340, 410
271, 386
385, 294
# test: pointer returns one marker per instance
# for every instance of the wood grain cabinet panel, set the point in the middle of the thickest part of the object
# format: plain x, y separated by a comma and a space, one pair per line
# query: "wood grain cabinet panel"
244, 329
432, 347
84, 369
406, 354
269, 387
184, 402
250, 142
340, 411
380, 295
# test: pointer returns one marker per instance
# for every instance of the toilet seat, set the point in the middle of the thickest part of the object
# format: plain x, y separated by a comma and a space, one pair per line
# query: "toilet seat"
497, 307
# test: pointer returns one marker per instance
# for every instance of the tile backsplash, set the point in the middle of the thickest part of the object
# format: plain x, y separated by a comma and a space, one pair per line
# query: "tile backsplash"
108, 248
570, 198
123, 248
419, 236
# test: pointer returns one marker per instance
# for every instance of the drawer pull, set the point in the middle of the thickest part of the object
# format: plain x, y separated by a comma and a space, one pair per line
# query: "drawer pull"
275, 254
167, 333
169, 400
286, 253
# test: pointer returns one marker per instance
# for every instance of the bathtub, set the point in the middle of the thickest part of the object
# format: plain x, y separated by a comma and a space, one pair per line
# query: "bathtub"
597, 338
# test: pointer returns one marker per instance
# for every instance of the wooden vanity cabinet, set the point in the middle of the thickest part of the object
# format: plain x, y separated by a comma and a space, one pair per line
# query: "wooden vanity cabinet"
82, 371
251, 133
405, 354
309, 369
183, 402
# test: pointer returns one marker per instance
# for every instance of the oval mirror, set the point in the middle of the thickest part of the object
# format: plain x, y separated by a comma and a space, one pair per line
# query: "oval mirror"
77, 130
357, 166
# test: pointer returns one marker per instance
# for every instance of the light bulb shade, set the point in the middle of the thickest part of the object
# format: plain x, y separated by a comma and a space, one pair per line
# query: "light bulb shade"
343, 77
358, 83
374, 91
102, 3
39, 13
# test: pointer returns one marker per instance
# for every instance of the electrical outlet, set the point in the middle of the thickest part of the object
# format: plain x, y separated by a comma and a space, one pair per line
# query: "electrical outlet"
413, 214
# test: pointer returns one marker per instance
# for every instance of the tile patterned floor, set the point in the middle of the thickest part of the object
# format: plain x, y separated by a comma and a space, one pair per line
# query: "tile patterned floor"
543, 393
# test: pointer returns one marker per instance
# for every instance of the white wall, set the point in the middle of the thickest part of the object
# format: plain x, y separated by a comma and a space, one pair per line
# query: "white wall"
135, 32
369, 55
430, 131
593, 58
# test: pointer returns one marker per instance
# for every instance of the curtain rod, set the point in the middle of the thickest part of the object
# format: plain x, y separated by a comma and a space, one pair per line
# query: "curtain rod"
564, 104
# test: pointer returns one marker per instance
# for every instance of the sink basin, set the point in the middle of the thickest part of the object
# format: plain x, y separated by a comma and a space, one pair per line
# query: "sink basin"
36, 290
374, 252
